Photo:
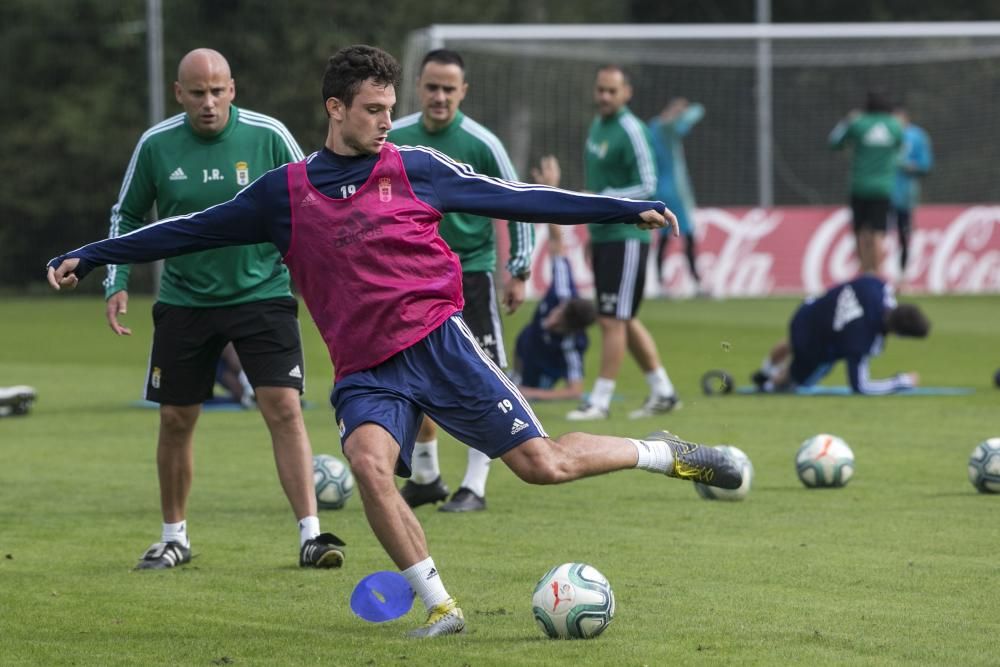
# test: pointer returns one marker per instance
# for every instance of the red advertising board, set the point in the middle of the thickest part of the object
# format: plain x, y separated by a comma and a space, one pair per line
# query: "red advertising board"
751, 252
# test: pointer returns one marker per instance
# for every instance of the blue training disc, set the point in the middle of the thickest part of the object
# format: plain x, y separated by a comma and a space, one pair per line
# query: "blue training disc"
382, 596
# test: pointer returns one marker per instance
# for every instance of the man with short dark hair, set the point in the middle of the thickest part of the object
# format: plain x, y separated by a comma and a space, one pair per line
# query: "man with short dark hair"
357, 225
619, 162
850, 323
440, 124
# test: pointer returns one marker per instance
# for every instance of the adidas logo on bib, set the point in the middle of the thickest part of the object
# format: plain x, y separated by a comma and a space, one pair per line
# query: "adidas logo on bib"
517, 426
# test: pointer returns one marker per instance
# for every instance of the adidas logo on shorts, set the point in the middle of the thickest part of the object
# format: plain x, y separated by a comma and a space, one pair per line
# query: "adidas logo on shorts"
517, 426
295, 372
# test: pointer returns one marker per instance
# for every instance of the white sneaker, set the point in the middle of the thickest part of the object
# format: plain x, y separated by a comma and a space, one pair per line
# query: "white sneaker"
656, 405
16, 400
587, 412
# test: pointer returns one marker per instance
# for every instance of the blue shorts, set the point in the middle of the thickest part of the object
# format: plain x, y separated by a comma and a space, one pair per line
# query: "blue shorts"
808, 366
448, 377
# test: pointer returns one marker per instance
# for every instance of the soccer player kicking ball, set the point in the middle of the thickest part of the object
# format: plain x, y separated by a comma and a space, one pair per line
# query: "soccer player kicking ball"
356, 223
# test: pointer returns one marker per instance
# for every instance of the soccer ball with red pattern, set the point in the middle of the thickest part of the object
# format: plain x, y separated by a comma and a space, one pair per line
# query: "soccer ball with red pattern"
824, 461
573, 601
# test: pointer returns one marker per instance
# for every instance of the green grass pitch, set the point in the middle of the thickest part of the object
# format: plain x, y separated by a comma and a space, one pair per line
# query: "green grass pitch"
898, 568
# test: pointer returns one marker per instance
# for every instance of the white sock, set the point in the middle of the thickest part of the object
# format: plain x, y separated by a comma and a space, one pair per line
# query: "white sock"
476, 472
654, 455
424, 462
245, 383
426, 582
176, 532
604, 390
308, 528
659, 382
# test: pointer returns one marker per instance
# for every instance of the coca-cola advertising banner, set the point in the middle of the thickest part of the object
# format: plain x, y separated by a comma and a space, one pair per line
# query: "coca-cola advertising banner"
752, 252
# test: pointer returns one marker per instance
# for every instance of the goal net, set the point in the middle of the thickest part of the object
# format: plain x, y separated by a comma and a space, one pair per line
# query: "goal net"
531, 84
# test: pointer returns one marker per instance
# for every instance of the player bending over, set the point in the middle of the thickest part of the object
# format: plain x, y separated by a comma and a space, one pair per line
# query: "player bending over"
550, 348
849, 322
357, 225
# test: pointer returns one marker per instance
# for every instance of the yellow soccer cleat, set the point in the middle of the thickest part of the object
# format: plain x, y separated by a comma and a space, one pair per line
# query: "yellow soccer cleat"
443, 619
699, 463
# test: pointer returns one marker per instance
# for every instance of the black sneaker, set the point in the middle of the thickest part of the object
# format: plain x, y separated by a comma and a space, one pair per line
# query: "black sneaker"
464, 500
700, 463
163, 555
324, 550
759, 378
416, 494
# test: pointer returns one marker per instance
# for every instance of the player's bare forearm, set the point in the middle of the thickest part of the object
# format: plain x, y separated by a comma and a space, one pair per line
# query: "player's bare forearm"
572, 391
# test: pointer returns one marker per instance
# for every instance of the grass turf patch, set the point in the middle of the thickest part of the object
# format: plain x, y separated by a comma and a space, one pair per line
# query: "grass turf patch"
896, 568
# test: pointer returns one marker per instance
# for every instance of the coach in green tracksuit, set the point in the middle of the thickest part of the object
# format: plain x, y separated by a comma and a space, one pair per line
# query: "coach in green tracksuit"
876, 136
442, 126
619, 161
185, 164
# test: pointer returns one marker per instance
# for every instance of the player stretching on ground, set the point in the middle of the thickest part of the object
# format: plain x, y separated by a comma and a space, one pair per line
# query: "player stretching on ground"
849, 322
551, 347
357, 226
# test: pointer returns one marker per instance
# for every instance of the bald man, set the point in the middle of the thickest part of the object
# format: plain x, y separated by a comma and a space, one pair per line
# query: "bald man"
196, 159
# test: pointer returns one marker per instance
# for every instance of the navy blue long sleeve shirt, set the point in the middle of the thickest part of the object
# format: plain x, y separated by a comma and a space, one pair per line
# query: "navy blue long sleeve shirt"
262, 212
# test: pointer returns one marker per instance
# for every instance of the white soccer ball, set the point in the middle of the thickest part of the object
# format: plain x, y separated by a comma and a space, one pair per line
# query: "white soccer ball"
984, 466
333, 480
824, 460
573, 601
746, 468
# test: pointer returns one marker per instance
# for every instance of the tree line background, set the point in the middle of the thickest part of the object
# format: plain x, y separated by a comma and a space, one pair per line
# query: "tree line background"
75, 91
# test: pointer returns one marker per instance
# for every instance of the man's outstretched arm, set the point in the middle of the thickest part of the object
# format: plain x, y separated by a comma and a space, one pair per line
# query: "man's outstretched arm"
244, 220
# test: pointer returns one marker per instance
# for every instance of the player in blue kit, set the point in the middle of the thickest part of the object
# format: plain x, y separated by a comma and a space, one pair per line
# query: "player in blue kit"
915, 160
849, 323
357, 225
550, 348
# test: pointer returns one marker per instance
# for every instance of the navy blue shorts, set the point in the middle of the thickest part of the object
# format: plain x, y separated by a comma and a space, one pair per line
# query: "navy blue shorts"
448, 377
808, 366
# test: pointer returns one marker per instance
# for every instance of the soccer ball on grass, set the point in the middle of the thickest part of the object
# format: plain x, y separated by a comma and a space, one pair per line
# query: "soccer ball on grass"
333, 480
824, 461
746, 468
573, 601
984, 466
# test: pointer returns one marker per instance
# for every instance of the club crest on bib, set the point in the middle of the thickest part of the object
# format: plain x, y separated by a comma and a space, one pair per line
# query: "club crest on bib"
242, 173
385, 189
